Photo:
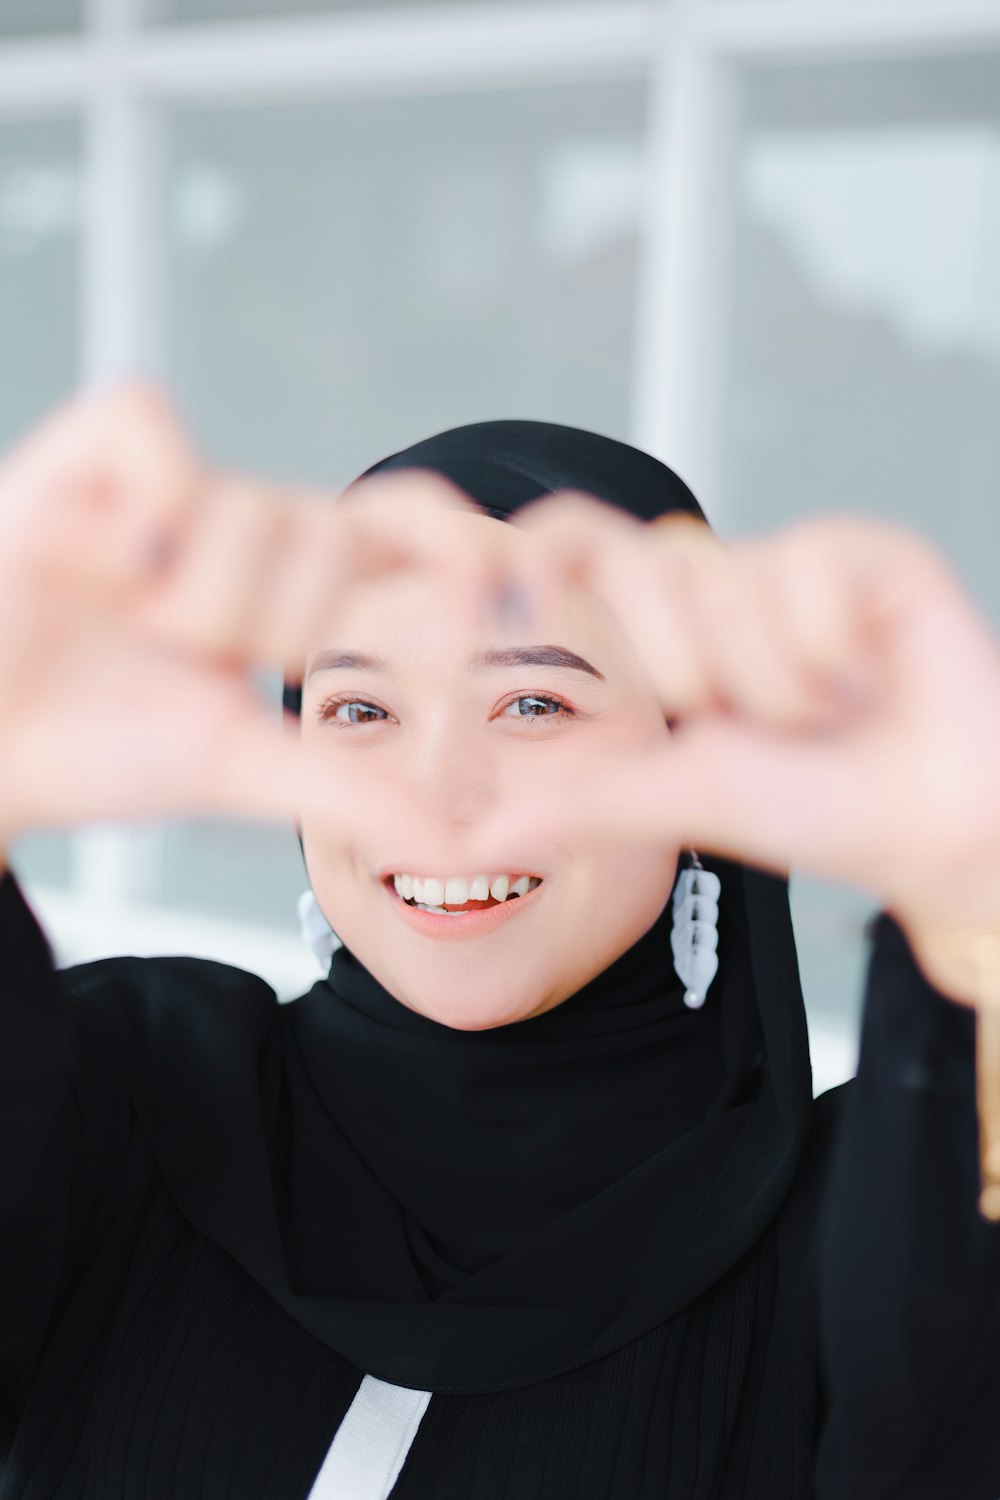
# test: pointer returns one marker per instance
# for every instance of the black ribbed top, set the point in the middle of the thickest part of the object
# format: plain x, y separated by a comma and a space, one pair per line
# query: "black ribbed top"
138, 1359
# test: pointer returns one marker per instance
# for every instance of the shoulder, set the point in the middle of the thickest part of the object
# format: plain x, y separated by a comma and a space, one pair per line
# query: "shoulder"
199, 1045
173, 972
153, 1003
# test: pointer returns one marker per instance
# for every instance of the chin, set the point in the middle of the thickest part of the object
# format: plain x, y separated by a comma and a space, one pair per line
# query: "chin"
477, 1017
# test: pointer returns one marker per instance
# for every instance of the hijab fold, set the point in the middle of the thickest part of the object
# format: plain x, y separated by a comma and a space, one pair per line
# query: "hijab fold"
470, 1211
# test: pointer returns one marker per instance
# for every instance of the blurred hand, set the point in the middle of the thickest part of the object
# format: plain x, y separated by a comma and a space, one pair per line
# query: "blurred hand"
838, 699
138, 591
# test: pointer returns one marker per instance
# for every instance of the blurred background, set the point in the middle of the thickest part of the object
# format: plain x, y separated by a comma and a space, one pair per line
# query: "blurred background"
759, 238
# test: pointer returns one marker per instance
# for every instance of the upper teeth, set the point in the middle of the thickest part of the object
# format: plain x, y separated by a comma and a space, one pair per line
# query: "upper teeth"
455, 890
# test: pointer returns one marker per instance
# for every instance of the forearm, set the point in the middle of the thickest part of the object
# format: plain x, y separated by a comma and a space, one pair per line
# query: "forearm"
909, 1268
65, 1132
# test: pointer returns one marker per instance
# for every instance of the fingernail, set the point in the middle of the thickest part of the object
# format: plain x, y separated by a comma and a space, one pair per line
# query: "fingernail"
155, 553
511, 604
853, 690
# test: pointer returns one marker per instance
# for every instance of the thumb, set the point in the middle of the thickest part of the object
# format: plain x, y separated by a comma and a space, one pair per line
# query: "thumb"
766, 797
719, 786
270, 772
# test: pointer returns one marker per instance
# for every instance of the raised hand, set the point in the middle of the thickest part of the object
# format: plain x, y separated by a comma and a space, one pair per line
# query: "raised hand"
836, 696
138, 591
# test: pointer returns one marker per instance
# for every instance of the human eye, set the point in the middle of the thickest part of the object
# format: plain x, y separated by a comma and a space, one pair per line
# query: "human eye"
557, 708
327, 710
543, 706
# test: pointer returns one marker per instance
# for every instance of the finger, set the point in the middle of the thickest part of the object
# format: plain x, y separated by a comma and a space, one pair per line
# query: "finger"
815, 603
755, 661
173, 739
720, 786
885, 575
741, 648
576, 540
580, 541
209, 600
385, 525
100, 491
264, 771
264, 568
300, 596
417, 519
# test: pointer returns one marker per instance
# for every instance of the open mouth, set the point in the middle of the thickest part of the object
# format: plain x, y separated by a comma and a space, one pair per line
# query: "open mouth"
521, 887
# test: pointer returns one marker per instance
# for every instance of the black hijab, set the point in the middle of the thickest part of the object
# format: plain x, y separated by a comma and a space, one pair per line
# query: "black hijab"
468, 1211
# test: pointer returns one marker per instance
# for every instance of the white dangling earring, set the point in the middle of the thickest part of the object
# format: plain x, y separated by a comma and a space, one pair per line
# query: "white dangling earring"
695, 935
317, 933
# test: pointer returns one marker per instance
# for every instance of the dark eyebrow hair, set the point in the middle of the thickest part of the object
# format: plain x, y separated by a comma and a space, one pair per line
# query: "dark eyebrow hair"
480, 661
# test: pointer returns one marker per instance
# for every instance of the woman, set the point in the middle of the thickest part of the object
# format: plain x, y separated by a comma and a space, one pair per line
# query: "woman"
529, 1198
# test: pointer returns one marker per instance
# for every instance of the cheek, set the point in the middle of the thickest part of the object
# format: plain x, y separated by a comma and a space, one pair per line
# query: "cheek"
626, 884
332, 865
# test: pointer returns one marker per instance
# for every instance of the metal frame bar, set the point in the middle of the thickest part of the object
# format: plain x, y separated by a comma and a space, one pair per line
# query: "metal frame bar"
426, 50
111, 327
702, 51
684, 251
760, 31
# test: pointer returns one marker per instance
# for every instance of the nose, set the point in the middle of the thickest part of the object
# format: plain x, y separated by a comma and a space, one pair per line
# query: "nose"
453, 776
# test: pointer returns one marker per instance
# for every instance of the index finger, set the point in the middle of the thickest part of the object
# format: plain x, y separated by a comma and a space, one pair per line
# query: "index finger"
387, 524
104, 486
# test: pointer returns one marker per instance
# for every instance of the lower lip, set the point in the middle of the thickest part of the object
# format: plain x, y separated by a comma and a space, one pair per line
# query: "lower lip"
462, 924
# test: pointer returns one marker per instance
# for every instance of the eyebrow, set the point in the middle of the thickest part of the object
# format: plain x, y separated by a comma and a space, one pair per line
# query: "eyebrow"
480, 661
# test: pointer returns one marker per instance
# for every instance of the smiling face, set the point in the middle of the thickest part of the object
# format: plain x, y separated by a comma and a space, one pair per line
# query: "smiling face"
465, 736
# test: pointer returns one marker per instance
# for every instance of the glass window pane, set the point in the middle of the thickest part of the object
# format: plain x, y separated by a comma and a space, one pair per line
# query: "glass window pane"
31, 17
864, 355
39, 298
44, 858
40, 167
345, 278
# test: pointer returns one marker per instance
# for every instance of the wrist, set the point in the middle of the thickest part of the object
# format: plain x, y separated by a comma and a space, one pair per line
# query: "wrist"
962, 961
951, 917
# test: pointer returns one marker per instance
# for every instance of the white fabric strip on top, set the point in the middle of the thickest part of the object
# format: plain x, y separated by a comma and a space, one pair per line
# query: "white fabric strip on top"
371, 1443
